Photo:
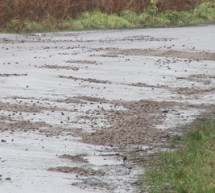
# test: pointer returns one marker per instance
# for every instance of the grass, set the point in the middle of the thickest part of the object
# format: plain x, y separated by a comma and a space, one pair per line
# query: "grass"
188, 170
203, 14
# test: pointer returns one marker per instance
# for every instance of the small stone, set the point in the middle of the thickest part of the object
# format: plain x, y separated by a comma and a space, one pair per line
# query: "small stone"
165, 111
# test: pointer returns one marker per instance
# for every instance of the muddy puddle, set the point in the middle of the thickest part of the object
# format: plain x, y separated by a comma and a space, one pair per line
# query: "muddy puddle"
79, 110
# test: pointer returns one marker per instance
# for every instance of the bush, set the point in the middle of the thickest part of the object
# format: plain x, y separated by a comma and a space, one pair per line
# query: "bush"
53, 15
130, 16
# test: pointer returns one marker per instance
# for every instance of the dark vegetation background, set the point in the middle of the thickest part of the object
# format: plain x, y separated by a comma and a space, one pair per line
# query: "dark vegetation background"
38, 10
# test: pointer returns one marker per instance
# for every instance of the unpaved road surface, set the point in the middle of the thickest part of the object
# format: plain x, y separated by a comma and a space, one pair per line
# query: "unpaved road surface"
78, 110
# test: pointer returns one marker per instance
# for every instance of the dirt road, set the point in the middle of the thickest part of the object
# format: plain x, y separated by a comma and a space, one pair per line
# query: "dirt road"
78, 109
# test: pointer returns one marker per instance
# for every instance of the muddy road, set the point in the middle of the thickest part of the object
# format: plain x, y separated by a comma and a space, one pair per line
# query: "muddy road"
78, 110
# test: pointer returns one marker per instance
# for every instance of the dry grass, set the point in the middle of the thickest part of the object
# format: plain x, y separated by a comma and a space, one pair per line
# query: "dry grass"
178, 5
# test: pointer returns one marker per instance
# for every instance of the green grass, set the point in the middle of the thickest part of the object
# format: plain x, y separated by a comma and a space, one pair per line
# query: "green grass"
188, 170
203, 14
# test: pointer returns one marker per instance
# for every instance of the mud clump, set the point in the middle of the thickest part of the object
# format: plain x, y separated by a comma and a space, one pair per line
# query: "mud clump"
17, 108
77, 159
82, 62
140, 84
21, 125
8, 75
60, 67
93, 99
168, 53
205, 79
71, 100
79, 171
192, 91
90, 80
133, 126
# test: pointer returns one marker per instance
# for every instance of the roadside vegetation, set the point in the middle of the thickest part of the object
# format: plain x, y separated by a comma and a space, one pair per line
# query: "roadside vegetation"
34, 16
188, 170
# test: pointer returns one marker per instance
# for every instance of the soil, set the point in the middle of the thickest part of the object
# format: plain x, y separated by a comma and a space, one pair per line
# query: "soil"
82, 62
133, 126
90, 80
168, 53
79, 171
78, 159
8, 75
60, 67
